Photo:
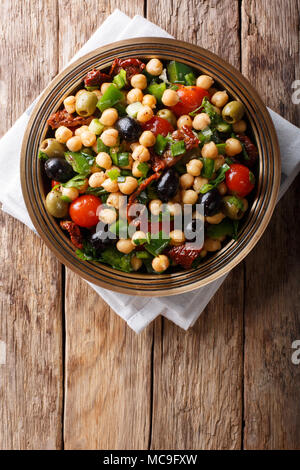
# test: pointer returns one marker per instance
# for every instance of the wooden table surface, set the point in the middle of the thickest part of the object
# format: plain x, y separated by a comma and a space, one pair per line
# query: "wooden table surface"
75, 376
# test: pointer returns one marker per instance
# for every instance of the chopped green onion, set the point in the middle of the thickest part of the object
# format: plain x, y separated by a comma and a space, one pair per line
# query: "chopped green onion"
208, 167
96, 126
143, 168
190, 79
120, 79
221, 148
205, 135
110, 98
133, 108
101, 147
177, 148
223, 127
160, 144
123, 159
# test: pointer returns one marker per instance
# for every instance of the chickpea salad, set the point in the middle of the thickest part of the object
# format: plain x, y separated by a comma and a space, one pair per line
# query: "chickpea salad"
150, 166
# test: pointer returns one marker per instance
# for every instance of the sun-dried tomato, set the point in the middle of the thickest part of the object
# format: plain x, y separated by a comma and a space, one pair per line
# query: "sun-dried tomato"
141, 188
165, 161
186, 134
251, 151
184, 255
74, 232
63, 118
131, 66
95, 78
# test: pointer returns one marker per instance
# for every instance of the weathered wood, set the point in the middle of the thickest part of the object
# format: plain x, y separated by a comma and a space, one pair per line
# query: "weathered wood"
270, 45
197, 390
30, 324
108, 367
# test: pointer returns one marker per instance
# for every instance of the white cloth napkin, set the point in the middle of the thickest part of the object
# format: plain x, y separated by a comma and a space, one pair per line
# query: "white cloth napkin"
138, 312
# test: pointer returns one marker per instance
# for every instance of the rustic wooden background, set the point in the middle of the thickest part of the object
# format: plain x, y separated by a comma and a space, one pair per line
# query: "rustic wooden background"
75, 376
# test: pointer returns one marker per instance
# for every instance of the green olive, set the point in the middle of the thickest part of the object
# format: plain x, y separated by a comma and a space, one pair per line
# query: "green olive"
233, 207
233, 112
168, 115
52, 148
55, 205
86, 103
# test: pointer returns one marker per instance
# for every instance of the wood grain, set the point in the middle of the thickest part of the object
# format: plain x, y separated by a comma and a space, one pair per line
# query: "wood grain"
272, 307
197, 389
108, 367
31, 294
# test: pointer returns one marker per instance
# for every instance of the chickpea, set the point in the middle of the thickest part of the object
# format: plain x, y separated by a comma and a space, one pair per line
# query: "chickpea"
189, 196
110, 137
219, 161
144, 114
62, 134
174, 208
184, 120
138, 235
70, 104
71, 193
160, 263
129, 185
186, 181
104, 87
170, 98
96, 179
204, 81
135, 171
136, 263
177, 237
194, 167
155, 206
149, 100
104, 160
108, 216
239, 126
219, 98
154, 67
81, 129
141, 153
111, 186
139, 81
212, 245
233, 147
97, 93
74, 144
134, 145
147, 139
203, 253
199, 182
209, 150
115, 200
215, 219
88, 138
222, 188
201, 121
109, 117
125, 246
134, 95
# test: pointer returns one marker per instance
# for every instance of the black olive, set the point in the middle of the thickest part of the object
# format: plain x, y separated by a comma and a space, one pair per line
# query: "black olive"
101, 239
59, 169
129, 129
167, 185
211, 201
193, 229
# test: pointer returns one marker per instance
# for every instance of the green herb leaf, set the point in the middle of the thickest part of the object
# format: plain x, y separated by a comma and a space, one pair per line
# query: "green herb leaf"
80, 162
160, 144
77, 182
214, 183
209, 109
42, 155
116, 259
114, 174
157, 245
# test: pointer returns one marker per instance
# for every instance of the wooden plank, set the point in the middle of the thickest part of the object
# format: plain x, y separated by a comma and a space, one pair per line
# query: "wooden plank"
270, 45
197, 396
30, 324
108, 367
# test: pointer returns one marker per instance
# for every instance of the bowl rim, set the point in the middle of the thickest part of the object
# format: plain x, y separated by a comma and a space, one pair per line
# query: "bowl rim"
142, 289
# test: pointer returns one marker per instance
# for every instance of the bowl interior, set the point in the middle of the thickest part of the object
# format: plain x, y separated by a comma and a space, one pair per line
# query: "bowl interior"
268, 175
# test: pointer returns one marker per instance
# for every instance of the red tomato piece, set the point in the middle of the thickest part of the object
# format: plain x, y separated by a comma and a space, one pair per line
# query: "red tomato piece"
84, 210
240, 180
54, 183
190, 98
158, 125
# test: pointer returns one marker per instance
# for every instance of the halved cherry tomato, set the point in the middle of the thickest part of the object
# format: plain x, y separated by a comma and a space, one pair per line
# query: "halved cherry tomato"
84, 210
54, 183
158, 125
190, 98
240, 180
